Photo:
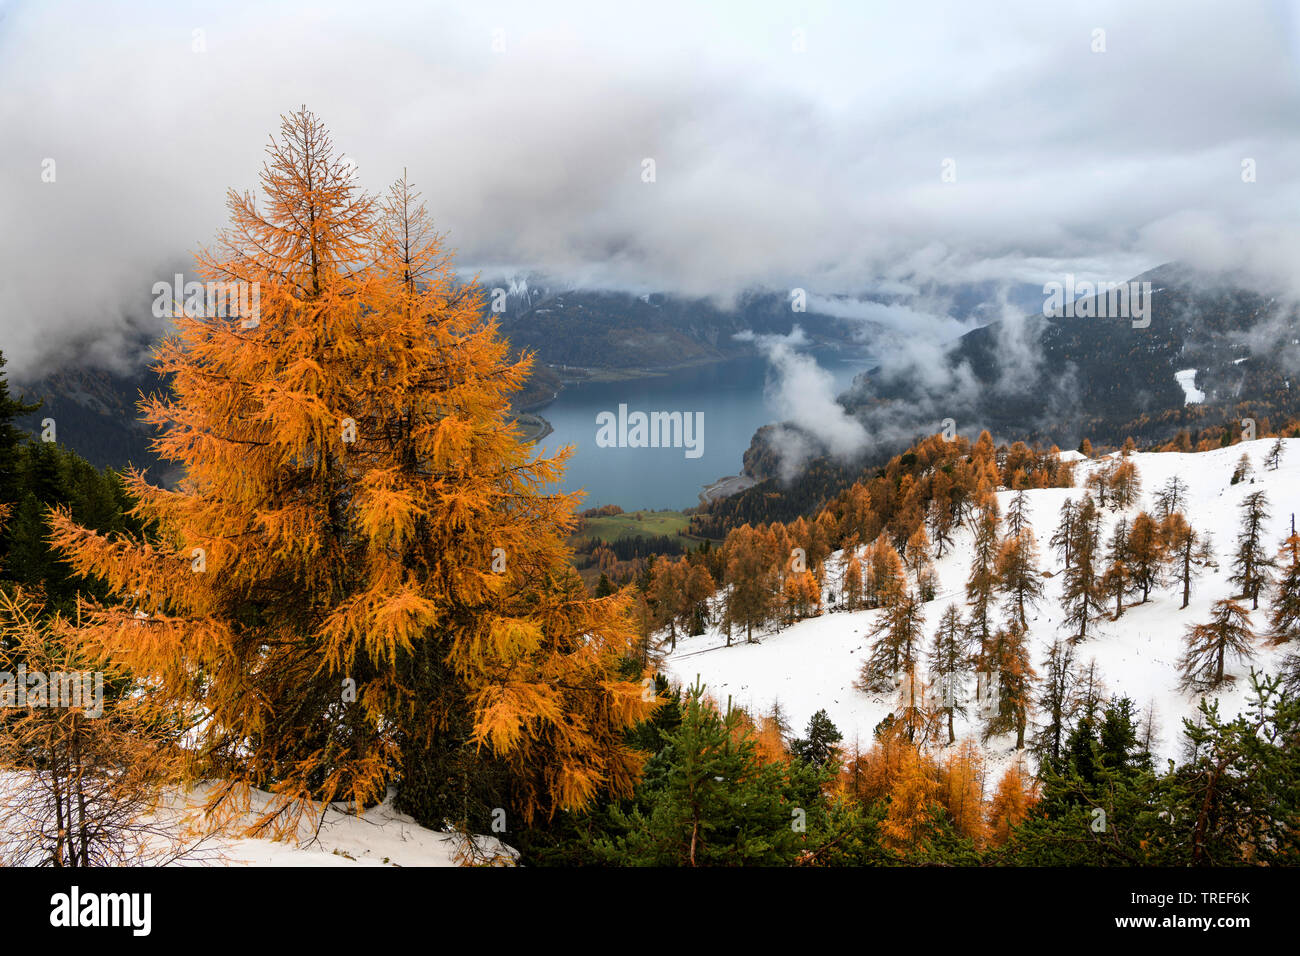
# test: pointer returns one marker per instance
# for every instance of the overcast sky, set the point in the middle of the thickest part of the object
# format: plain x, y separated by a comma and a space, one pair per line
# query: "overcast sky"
819, 169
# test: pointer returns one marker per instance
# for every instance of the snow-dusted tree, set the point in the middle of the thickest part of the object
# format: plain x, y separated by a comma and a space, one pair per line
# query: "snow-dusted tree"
1250, 562
1208, 645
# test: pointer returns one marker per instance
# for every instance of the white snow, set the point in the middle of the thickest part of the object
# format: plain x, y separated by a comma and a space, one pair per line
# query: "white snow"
379, 837
1191, 394
813, 663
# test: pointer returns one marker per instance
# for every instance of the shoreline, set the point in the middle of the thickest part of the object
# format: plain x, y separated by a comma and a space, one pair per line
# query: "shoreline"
725, 487
534, 427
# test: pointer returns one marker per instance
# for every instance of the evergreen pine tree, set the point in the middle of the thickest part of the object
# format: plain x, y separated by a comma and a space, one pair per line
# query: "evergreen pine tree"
820, 743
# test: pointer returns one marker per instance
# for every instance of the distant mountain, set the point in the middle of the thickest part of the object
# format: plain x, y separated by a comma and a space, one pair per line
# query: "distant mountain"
94, 412
1092, 374
1215, 351
601, 329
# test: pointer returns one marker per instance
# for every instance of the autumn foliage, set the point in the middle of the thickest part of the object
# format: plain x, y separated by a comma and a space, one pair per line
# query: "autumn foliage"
363, 570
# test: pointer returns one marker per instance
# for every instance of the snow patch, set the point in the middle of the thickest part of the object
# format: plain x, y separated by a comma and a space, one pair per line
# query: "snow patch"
1191, 394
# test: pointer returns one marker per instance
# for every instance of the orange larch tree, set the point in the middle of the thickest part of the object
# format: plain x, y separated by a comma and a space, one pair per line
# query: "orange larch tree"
362, 579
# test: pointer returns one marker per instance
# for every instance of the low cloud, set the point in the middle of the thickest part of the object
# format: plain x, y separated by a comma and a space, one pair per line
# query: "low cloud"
527, 127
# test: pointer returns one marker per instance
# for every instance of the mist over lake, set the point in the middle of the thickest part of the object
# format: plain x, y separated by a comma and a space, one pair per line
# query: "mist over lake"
732, 395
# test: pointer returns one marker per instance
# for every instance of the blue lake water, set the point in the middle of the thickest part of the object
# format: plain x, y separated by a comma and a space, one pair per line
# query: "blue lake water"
732, 396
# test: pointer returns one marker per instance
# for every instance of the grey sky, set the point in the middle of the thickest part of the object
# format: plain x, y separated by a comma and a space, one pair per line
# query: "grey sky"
775, 168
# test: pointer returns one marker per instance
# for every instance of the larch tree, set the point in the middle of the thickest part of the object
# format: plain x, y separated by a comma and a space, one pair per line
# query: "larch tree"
1008, 661
750, 579
1243, 469
87, 759
1125, 485
1171, 498
1117, 580
667, 594
362, 579
886, 581
961, 790
917, 556
1250, 562
1081, 591
1063, 536
939, 519
1057, 701
1273, 459
697, 588
1284, 621
950, 663
851, 588
910, 804
1180, 545
982, 582
896, 648
1011, 803
1146, 554
1017, 574
1018, 514
1208, 645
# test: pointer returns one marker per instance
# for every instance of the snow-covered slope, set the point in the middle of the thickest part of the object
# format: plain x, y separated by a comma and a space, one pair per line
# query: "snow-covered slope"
380, 837
812, 664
